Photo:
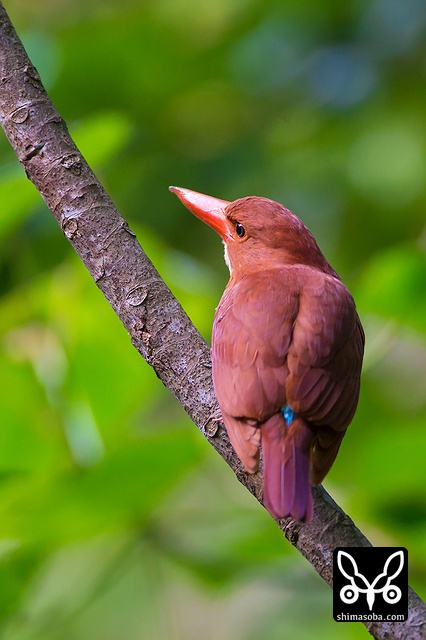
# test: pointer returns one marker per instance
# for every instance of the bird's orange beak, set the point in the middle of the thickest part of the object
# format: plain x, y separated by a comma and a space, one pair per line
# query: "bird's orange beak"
208, 209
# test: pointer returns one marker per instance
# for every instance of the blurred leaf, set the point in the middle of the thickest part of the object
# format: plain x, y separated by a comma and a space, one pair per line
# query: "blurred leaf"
120, 491
101, 136
18, 196
393, 285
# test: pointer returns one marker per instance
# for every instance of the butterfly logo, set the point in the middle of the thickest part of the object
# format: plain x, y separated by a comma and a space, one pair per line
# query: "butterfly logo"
391, 593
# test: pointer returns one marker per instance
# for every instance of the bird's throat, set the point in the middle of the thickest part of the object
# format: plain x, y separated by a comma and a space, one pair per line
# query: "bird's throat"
226, 256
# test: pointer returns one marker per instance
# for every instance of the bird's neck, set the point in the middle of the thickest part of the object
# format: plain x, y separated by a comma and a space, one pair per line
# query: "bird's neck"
238, 273
241, 262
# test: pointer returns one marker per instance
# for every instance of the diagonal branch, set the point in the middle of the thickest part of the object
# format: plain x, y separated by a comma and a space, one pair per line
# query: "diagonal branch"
158, 326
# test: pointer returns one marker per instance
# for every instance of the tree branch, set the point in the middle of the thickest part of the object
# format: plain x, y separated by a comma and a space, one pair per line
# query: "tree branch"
159, 328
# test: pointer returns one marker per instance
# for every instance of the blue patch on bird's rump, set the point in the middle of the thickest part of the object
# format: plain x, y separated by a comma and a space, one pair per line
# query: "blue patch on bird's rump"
288, 414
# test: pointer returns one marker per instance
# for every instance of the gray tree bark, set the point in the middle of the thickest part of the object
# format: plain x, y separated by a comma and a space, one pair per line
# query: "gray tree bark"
158, 326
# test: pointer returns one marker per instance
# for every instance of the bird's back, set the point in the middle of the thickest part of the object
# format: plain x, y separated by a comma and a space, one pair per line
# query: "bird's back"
288, 335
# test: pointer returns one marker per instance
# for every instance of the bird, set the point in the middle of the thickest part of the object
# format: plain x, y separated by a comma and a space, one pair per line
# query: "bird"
287, 348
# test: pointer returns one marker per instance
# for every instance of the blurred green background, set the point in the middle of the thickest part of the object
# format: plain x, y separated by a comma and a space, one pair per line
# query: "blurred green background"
117, 520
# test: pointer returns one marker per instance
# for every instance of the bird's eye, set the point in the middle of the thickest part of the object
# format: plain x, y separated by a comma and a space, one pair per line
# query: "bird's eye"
240, 231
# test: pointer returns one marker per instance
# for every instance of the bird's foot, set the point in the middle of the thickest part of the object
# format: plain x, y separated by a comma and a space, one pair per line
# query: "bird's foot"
211, 425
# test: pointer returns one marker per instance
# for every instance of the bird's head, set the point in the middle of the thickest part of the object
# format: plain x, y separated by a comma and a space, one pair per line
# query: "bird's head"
257, 232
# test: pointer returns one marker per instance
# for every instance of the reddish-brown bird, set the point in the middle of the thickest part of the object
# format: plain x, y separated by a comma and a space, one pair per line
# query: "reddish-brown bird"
287, 348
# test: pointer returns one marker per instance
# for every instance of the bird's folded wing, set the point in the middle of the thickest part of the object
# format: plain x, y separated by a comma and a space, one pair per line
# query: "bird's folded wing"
325, 354
324, 362
251, 337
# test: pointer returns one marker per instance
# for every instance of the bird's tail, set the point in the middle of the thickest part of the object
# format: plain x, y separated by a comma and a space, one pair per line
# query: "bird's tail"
286, 454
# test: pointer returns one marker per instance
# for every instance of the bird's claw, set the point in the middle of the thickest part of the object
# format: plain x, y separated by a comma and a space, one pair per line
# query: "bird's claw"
211, 425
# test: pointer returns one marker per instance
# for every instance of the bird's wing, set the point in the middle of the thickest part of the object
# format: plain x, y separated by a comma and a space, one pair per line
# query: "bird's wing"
251, 337
249, 351
324, 363
325, 354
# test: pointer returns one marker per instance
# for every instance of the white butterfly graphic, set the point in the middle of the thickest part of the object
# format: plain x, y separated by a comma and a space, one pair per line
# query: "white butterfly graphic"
350, 592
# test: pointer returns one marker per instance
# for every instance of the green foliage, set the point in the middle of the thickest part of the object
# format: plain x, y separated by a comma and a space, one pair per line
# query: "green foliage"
117, 520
